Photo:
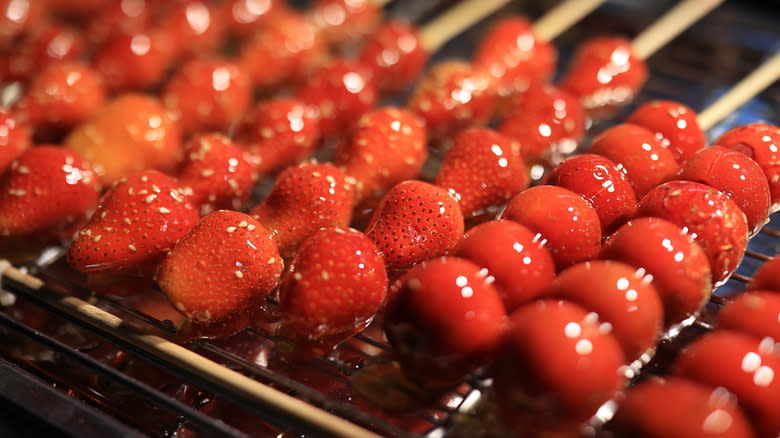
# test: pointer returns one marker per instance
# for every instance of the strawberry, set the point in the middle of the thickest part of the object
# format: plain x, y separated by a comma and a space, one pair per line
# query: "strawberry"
674, 124
485, 168
415, 221
281, 132
133, 132
304, 199
137, 222
345, 22
444, 319
767, 276
16, 21
394, 55
387, 146
14, 138
208, 94
225, 264
115, 18
193, 27
132, 62
48, 43
219, 173
335, 284
46, 193
243, 18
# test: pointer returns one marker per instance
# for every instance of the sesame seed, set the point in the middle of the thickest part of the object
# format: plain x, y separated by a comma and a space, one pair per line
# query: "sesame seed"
181, 307
297, 276
131, 248
239, 274
19, 192
23, 169
144, 178
155, 189
163, 210
272, 260
242, 224
150, 198
325, 275
250, 227
143, 192
230, 229
86, 232
127, 221
131, 191
207, 173
97, 238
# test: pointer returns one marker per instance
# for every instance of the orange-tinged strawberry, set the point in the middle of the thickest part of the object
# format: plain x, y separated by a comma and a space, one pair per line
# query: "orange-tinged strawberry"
415, 221
485, 168
14, 138
133, 132
138, 220
227, 263
387, 146
304, 199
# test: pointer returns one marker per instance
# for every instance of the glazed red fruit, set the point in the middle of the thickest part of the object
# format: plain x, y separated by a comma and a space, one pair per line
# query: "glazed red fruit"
335, 284
192, 27
484, 168
46, 193
680, 268
716, 221
513, 255
646, 161
113, 18
48, 43
556, 367
415, 221
746, 366
568, 223
304, 199
619, 294
677, 408
17, 18
345, 21
600, 181
387, 146
284, 51
138, 220
756, 313
674, 123
208, 94
394, 56
14, 138
245, 17
342, 92
452, 96
547, 122
735, 174
62, 96
130, 133
281, 132
604, 73
219, 173
132, 61
444, 319
761, 142
515, 56
767, 276
227, 263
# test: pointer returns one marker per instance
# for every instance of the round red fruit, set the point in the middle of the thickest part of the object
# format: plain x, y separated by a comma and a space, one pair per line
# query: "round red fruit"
46, 44
14, 138
245, 17
394, 56
756, 312
675, 125
767, 277
134, 61
192, 27
346, 21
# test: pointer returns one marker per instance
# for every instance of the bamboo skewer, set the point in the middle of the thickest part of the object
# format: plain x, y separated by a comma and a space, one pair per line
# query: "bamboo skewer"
171, 353
457, 19
558, 19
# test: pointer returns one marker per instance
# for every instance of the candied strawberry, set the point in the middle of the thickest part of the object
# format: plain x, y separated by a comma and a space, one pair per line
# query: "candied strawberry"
335, 285
48, 43
219, 173
284, 51
547, 122
601, 182
604, 73
675, 407
754, 313
761, 142
115, 18
131, 133
225, 264
444, 319
415, 221
387, 146
484, 168
47, 193
680, 268
568, 223
193, 27
281, 132
515, 56
646, 161
747, 366
342, 92
17, 18
134, 61
245, 17
557, 365
304, 199
717, 223
767, 276
60, 97
675, 125
735, 174
513, 255
208, 94
394, 55
14, 138
345, 22
138, 220
620, 295
452, 96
